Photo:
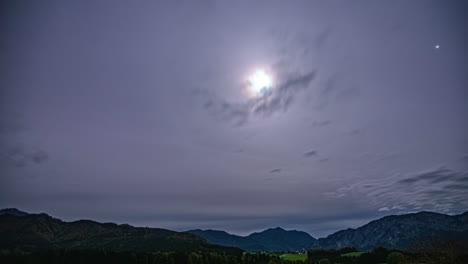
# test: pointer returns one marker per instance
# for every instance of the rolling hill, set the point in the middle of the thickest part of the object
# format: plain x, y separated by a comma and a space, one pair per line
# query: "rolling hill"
41, 232
273, 239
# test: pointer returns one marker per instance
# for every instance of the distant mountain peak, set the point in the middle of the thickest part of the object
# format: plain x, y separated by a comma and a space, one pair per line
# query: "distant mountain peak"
272, 239
271, 230
399, 231
277, 228
12, 211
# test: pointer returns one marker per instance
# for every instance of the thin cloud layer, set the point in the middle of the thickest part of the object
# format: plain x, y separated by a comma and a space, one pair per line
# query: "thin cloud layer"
441, 175
19, 157
321, 123
278, 99
442, 190
113, 109
310, 153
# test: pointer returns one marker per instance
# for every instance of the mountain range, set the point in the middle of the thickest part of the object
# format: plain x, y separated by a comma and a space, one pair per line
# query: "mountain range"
400, 231
273, 239
32, 232
40, 231
395, 231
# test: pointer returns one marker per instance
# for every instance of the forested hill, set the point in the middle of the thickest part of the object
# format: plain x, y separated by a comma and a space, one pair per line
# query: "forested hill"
41, 231
395, 232
273, 239
400, 231
20, 230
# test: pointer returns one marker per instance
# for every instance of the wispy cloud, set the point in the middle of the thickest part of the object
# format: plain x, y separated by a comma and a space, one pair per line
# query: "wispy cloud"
442, 189
439, 175
278, 99
276, 170
310, 153
21, 157
321, 123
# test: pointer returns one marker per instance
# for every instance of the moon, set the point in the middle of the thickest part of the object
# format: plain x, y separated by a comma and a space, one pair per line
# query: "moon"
259, 83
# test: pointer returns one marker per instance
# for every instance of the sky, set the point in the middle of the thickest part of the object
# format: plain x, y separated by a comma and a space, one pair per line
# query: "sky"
139, 112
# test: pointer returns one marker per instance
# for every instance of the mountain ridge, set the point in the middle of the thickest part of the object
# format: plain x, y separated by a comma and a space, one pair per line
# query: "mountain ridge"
398, 231
34, 232
271, 239
392, 231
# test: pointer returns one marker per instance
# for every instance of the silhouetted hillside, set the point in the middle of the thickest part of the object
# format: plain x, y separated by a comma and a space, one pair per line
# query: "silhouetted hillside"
400, 231
12, 211
41, 231
273, 239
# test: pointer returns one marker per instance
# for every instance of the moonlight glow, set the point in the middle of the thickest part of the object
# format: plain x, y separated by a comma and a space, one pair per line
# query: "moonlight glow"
259, 82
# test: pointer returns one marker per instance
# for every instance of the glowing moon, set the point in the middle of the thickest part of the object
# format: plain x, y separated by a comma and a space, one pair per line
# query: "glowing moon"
259, 82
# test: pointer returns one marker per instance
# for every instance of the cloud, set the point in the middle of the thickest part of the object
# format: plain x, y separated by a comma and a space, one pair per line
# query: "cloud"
321, 123
12, 150
292, 61
281, 99
276, 170
436, 176
457, 187
310, 153
322, 37
39, 156
278, 99
19, 157
441, 189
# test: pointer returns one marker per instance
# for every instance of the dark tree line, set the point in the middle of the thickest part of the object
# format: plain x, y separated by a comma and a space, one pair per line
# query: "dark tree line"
102, 256
425, 251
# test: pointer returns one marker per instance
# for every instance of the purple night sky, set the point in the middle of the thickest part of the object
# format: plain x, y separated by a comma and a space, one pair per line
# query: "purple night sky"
136, 112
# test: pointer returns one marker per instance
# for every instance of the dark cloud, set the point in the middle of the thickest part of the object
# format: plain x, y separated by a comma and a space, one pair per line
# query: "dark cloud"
281, 98
12, 150
20, 157
321, 123
310, 153
441, 189
456, 187
276, 170
39, 156
436, 176
322, 37
278, 99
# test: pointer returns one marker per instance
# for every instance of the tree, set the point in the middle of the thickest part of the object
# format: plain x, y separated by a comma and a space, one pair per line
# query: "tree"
324, 261
396, 258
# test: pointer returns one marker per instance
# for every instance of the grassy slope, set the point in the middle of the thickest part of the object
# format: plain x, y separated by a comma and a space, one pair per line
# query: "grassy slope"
294, 257
353, 254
